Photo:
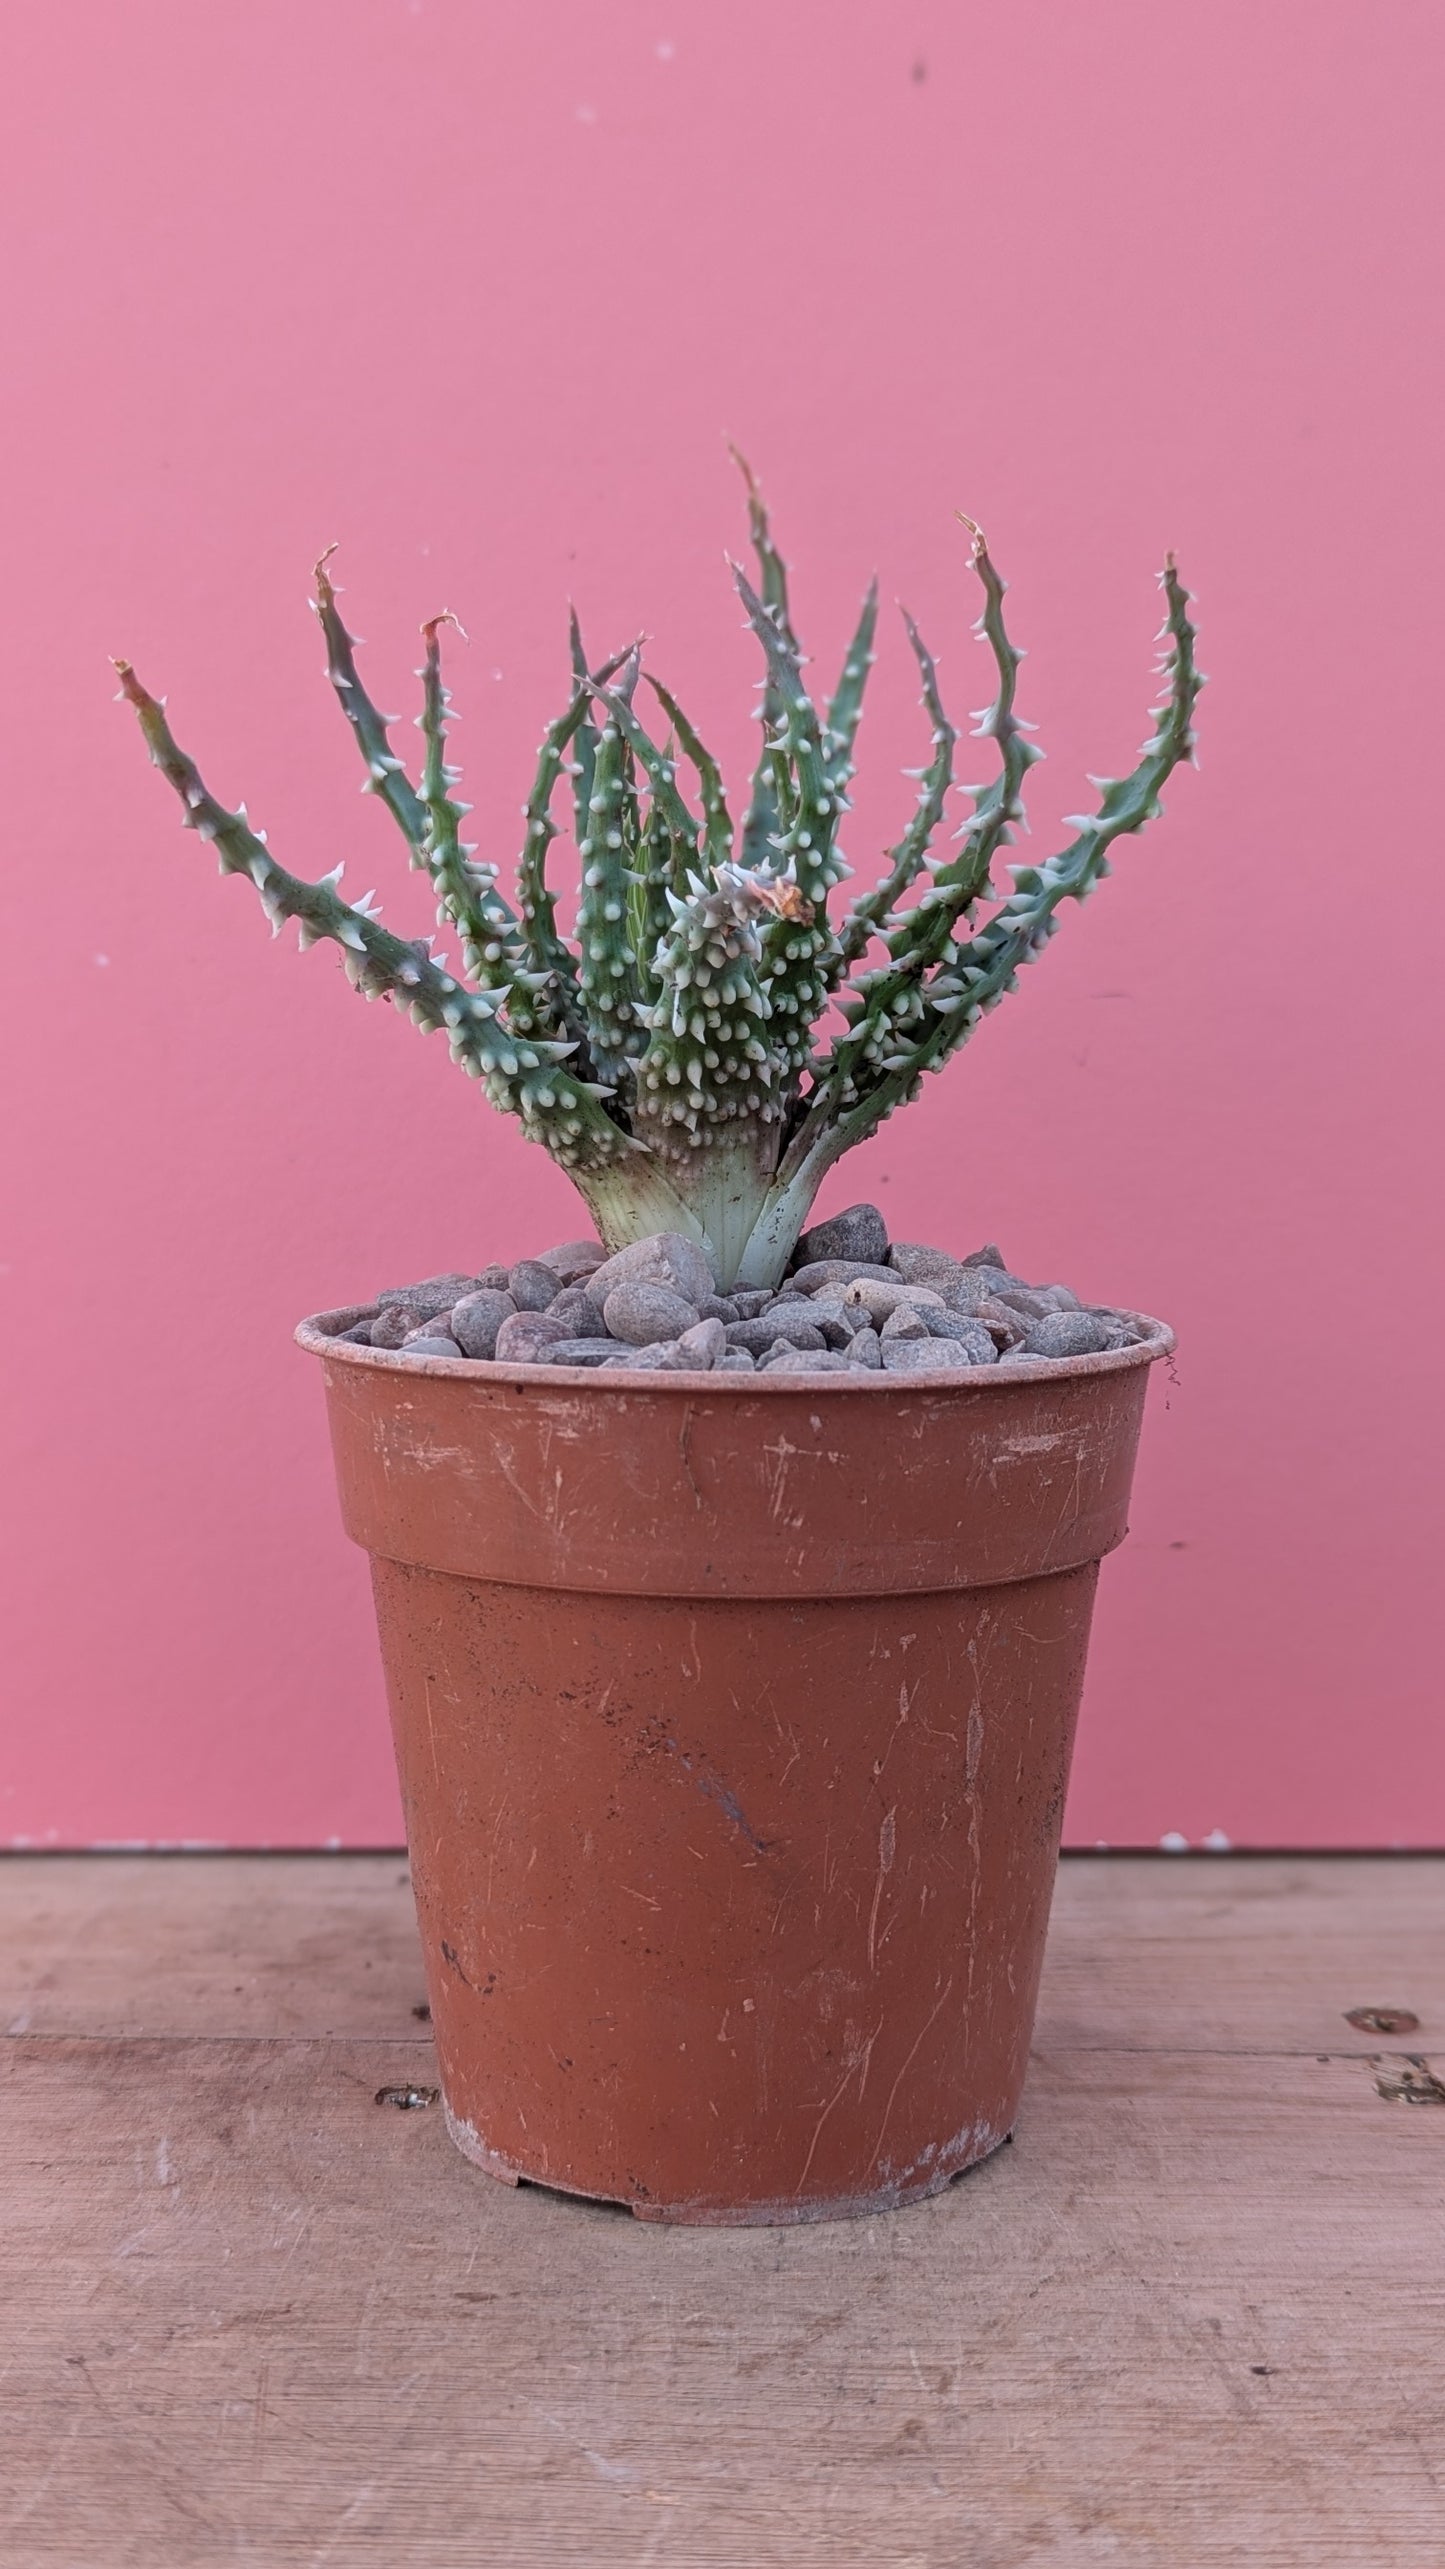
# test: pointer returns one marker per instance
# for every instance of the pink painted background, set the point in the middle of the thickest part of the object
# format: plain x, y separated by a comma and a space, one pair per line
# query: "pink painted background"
478, 291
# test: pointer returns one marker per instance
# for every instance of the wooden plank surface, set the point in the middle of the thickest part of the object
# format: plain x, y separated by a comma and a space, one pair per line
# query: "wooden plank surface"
1189, 1953
1194, 2315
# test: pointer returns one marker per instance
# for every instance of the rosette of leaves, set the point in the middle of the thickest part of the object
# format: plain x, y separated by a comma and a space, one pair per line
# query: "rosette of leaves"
718, 1024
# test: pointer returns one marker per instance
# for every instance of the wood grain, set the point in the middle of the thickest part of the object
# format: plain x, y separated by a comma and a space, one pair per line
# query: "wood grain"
1194, 2315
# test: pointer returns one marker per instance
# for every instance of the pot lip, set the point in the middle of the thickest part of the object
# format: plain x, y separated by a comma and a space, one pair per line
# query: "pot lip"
319, 1335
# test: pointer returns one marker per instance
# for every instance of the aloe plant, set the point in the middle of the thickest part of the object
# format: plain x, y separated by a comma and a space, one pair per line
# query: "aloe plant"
711, 1038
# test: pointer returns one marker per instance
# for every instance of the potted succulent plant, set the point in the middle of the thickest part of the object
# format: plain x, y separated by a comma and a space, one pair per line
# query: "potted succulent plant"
733, 1579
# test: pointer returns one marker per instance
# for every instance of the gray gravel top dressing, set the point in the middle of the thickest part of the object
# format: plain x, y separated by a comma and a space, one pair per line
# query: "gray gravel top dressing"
852, 1301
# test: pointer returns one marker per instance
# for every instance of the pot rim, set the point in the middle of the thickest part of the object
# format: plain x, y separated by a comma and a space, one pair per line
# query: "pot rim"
318, 1334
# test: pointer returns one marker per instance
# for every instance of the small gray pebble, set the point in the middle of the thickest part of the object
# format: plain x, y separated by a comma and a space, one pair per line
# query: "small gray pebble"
748, 1305
533, 1286
577, 1351
913, 1262
905, 1321
1005, 1326
865, 1349
358, 1335
492, 1279
702, 1345
837, 1322
968, 1287
579, 1311
737, 1361
429, 1341
524, 1334
859, 1232
395, 1322
646, 1315
876, 1301
665, 1259
476, 1319
1057, 1297
1068, 1333
805, 1360
985, 1257
962, 1331
759, 1335
829, 1275
660, 1356
923, 1356
1022, 1298
573, 1259
718, 1306
433, 1295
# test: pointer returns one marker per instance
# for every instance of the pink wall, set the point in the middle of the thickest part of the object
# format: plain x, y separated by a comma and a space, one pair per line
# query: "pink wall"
478, 290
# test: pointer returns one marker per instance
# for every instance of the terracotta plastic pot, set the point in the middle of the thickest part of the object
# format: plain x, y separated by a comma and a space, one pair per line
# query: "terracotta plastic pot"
733, 1716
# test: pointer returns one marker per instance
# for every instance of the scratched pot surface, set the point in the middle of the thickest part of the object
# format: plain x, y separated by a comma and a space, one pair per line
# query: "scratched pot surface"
733, 1821
732, 1902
